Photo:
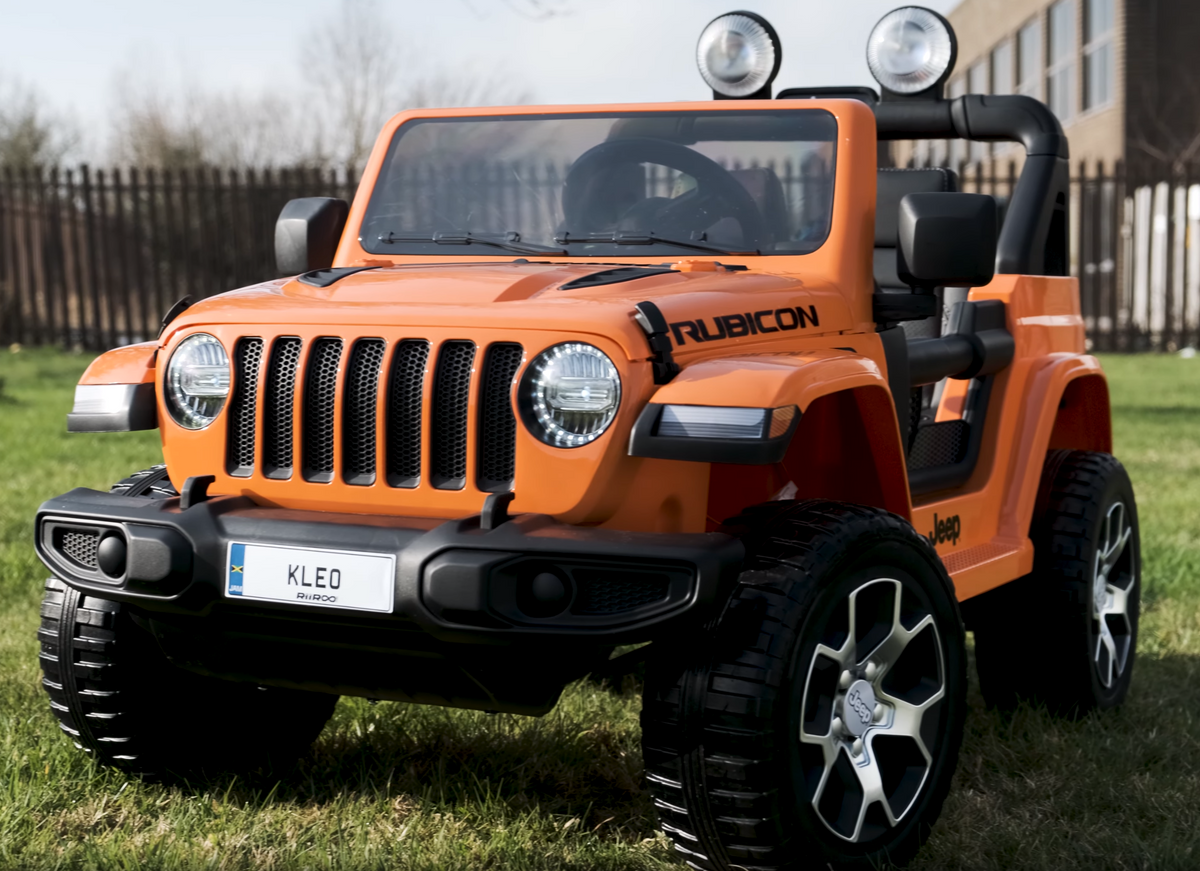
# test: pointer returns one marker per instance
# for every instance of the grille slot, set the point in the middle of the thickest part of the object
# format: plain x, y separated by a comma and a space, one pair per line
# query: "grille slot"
279, 402
405, 392
358, 411
497, 426
451, 397
79, 546
247, 361
320, 393
608, 591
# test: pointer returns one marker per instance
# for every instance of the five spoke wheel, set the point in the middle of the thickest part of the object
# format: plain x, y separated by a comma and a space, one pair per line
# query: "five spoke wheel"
872, 695
1113, 578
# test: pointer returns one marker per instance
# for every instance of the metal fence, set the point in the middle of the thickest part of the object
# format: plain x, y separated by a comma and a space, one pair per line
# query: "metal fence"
92, 259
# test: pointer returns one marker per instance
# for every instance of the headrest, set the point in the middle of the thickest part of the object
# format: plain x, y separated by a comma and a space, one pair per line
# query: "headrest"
766, 190
893, 185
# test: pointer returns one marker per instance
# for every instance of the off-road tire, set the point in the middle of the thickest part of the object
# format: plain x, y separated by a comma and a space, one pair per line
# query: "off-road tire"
722, 716
122, 702
1038, 638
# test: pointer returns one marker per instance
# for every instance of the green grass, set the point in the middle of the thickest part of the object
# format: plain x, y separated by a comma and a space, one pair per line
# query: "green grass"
398, 786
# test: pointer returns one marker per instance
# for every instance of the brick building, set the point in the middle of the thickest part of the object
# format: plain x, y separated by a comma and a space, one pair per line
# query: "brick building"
1123, 76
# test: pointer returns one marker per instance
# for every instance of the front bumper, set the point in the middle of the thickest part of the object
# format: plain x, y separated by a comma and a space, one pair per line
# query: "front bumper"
455, 581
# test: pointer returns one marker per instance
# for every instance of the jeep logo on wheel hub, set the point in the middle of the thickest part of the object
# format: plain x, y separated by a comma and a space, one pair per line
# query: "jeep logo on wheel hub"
858, 708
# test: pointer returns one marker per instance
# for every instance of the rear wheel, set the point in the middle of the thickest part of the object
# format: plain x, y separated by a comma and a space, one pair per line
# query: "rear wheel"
819, 721
1081, 601
119, 698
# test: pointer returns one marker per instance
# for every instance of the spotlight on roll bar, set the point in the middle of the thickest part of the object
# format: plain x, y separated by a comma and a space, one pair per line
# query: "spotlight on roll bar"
739, 55
911, 52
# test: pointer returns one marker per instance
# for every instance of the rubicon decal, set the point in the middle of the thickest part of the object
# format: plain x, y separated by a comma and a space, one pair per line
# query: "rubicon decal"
745, 324
945, 530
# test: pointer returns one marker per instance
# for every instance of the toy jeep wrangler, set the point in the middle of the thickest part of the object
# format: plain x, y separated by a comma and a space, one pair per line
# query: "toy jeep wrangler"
563, 379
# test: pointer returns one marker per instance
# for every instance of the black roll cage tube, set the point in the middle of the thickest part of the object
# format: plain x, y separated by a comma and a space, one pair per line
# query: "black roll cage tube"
1033, 240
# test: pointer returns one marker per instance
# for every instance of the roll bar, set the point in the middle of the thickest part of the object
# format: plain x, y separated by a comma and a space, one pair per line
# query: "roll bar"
1033, 240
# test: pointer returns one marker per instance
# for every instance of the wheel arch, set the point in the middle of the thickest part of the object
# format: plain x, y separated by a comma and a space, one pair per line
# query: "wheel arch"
1066, 407
846, 446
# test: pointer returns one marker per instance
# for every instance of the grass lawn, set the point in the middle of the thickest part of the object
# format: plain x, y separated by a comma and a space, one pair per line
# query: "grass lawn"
398, 786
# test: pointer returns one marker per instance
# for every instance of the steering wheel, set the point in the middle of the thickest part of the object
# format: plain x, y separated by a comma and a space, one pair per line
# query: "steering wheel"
717, 195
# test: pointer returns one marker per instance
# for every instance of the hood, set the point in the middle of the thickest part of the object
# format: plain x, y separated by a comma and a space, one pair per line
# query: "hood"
714, 302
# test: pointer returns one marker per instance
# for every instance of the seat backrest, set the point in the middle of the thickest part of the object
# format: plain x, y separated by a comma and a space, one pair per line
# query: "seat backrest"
766, 190
892, 186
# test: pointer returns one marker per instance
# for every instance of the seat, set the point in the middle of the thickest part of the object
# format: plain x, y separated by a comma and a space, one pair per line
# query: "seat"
766, 190
892, 186
931, 444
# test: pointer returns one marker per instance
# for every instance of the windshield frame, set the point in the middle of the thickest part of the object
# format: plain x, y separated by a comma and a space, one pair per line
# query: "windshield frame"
623, 246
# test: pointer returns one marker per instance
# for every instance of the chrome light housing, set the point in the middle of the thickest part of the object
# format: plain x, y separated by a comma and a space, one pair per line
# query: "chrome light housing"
570, 394
739, 54
912, 49
197, 382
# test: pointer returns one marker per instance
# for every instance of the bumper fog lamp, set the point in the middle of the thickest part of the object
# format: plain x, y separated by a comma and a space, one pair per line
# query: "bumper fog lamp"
738, 54
570, 394
197, 381
911, 50
711, 422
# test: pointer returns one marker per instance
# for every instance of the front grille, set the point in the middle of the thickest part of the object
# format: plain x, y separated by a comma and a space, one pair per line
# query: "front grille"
451, 395
497, 426
405, 391
243, 407
80, 547
279, 402
362, 394
320, 393
339, 431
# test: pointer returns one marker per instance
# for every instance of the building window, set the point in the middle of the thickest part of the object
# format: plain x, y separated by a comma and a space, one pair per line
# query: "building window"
1097, 53
1060, 75
1002, 68
977, 83
1029, 60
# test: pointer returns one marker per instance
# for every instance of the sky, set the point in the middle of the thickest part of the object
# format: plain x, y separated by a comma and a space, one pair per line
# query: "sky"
588, 51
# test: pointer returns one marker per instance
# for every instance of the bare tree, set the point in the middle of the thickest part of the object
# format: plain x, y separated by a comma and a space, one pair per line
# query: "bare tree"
30, 135
361, 72
1168, 123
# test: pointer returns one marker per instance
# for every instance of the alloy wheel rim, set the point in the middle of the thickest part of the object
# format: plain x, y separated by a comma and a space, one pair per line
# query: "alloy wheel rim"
1113, 580
865, 739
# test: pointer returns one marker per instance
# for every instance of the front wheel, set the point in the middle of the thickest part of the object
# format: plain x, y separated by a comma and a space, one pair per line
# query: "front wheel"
818, 723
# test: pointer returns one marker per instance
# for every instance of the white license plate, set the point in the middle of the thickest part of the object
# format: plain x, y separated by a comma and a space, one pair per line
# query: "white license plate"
308, 576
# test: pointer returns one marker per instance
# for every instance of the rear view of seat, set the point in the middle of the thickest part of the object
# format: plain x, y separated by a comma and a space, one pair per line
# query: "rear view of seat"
892, 186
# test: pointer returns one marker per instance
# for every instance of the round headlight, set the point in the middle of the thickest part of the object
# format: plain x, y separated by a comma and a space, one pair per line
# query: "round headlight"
197, 381
911, 50
738, 54
570, 394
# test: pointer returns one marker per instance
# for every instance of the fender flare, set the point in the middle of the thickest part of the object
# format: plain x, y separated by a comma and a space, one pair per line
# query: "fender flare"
850, 383
1040, 419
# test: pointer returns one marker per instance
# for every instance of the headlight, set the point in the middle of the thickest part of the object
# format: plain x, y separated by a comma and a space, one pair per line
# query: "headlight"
738, 54
197, 381
911, 50
570, 394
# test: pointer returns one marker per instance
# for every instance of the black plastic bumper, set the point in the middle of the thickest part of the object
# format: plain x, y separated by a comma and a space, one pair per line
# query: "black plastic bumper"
454, 580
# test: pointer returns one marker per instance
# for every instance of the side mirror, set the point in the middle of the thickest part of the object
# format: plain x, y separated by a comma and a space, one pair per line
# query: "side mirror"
307, 234
947, 240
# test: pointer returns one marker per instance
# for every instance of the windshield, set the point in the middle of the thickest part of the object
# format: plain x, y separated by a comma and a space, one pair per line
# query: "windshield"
605, 185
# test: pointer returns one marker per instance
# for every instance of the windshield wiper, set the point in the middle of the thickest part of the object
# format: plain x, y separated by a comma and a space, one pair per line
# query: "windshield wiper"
509, 241
645, 239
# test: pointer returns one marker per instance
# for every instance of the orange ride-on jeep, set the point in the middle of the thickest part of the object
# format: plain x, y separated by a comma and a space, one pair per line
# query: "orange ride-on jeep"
566, 378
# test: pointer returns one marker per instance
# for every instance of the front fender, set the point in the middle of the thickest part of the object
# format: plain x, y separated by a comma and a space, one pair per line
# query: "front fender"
844, 443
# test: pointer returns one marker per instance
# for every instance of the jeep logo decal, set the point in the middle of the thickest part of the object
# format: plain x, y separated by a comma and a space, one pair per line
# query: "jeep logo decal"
748, 324
856, 703
945, 530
